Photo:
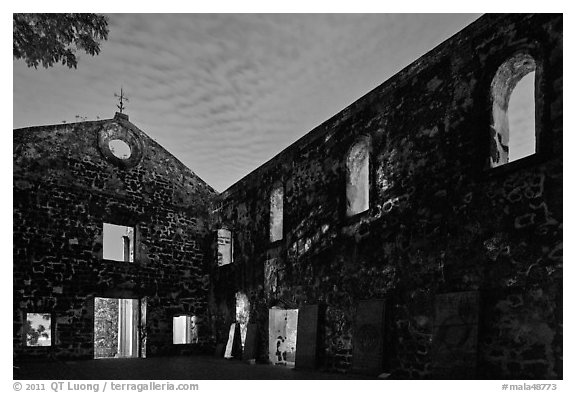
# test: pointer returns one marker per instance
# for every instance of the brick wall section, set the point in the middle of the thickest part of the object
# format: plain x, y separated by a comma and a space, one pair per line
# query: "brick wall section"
438, 221
64, 189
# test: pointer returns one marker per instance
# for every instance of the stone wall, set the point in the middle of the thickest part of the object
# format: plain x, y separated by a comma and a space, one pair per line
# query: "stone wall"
66, 185
440, 219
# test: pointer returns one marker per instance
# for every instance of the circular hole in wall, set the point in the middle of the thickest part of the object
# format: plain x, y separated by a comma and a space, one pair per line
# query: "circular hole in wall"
120, 149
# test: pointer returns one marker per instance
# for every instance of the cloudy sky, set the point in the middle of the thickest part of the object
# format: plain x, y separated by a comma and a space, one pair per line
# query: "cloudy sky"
226, 92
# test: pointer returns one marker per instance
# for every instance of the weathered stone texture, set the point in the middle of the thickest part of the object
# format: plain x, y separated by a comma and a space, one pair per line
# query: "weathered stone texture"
440, 220
65, 188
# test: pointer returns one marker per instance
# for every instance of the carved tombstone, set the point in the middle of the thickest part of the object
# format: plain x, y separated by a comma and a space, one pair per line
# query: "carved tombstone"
307, 336
368, 340
455, 335
234, 345
276, 331
219, 351
250, 345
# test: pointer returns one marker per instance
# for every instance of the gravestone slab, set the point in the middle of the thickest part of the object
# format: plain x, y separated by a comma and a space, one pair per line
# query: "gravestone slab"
306, 341
289, 345
368, 339
219, 351
455, 335
250, 345
276, 335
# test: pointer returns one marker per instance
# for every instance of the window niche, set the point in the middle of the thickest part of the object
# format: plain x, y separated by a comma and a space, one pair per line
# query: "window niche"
225, 247
358, 177
184, 329
513, 128
277, 212
118, 243
38, 330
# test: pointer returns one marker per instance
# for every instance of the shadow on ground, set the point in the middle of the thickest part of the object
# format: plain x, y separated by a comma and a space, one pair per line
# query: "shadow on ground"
159, 368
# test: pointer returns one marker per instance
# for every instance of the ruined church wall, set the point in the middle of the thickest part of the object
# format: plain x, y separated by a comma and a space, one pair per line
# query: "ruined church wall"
440, 221
65, 188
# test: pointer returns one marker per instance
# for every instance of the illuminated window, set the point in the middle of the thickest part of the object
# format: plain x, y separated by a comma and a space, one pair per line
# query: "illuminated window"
38, 330
276, 213
225, 247
120, 149
185, 329
357, 178
118, 243
513, 111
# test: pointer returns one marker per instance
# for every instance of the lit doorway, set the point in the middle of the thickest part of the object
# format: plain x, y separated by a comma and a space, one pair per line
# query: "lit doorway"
283, 326
117, 328
242, 315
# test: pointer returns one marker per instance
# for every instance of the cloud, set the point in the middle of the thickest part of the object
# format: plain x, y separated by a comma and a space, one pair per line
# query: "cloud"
224, 93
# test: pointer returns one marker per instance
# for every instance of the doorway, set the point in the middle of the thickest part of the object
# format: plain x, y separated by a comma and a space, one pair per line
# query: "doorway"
242, 315
117, 327
283, 326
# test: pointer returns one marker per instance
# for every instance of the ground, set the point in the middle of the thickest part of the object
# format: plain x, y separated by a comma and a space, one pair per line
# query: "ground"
162, 368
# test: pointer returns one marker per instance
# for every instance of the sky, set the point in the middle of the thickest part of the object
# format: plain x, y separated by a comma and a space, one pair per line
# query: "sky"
226, 92
291, 73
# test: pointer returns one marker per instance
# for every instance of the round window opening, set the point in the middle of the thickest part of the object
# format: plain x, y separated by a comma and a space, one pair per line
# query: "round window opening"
120, 149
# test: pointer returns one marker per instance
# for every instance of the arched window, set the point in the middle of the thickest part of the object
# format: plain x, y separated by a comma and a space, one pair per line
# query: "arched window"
277, 212
357, 178
225, 247
513, 110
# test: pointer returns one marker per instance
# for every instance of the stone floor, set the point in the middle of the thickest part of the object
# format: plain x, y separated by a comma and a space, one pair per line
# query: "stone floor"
166, 368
